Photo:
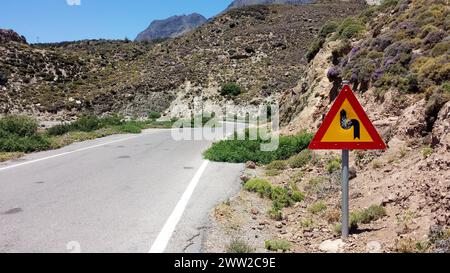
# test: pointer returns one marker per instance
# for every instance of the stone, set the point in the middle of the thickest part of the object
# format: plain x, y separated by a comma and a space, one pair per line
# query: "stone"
245, 178
254, 211
250, 165
373, 247
330, 246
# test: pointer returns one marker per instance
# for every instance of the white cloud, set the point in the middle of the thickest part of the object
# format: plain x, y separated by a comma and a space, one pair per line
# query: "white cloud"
73, 2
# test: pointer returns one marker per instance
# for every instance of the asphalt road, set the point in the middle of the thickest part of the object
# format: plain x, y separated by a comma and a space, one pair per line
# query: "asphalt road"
124, 193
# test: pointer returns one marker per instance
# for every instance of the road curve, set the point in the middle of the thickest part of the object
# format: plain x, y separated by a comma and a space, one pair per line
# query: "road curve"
113, 194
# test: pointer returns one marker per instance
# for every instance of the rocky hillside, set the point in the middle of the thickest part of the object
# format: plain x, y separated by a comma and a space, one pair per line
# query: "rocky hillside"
396, 57
260, 48
171, 27
244, 3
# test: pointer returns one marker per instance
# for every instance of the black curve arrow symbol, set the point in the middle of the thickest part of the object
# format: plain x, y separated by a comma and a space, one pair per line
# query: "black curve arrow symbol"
347, 125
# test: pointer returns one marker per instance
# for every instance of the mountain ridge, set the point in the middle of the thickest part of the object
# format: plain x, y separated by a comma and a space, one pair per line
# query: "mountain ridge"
171, 27
243, 3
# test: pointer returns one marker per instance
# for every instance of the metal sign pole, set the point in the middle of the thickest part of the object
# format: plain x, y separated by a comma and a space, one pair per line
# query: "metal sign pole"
345, 208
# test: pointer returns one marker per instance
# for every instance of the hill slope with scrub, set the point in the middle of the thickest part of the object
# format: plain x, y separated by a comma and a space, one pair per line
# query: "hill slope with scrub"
259, 48
396, 58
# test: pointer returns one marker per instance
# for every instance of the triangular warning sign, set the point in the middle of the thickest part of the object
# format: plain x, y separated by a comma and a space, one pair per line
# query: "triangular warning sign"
347, 127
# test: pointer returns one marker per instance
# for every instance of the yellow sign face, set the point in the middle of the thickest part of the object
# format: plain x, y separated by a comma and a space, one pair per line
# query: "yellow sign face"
346, 127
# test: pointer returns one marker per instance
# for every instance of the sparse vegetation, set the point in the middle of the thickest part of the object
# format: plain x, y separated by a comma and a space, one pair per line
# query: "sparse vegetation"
301, 159
351, 27
315, 185
333, 165
427, 151
20, 134
328, 28
272, 172
332, 215
261, 186
230, 89
376, 164
317, 207
239, 246
154, 115
10, 156
364, 216
306, 223
276, 245
277, 165
281, 197
370, 214
314, 48
409, 56
240, 151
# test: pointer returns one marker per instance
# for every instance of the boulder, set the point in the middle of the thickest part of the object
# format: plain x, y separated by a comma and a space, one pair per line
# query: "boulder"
330, 246
373, 247
8, 35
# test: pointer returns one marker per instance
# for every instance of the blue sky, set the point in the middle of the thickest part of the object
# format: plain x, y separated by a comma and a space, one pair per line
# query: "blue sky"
56, 20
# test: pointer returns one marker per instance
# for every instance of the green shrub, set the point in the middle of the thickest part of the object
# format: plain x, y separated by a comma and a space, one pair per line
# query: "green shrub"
111, 120
314, 48
87, 124
328, 28
352, 226
306, 223
59, 130
350, 28
427, 151
241, 151
441, 49
131, 128
297, 196
315, 185
272, 172
261, 186
239, 246
275, 214
369, 215
154, 115
300, 160
230, 89
26, 144
18, 125
20, 134
280, 197
388, 4
333, 165
277, 165
275, 245
317, 207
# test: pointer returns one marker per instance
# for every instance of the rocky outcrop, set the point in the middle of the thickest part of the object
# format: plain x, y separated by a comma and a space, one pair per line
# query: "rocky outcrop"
171, 27
8, 35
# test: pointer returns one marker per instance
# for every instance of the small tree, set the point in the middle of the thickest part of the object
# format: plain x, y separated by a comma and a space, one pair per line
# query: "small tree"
231, 89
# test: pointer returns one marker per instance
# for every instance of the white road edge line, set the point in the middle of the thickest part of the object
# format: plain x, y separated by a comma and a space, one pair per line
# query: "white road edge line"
161, 242
66, 153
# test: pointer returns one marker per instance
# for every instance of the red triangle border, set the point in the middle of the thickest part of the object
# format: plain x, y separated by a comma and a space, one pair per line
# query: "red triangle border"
347, 93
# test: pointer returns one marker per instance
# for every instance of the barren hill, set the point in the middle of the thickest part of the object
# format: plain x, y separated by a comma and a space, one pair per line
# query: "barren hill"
261, 48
